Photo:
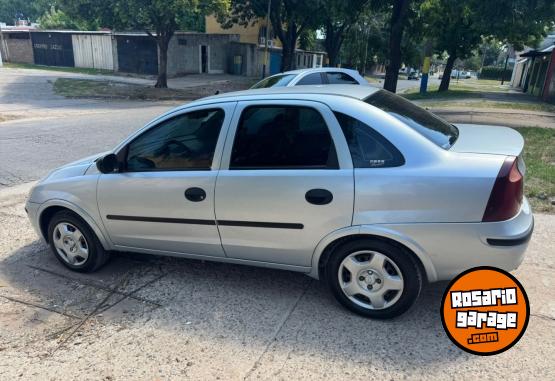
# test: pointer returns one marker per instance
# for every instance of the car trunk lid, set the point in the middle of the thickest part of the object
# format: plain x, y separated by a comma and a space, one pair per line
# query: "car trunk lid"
493, 140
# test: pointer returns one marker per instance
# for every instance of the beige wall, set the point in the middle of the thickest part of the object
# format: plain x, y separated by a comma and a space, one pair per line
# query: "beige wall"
248, 34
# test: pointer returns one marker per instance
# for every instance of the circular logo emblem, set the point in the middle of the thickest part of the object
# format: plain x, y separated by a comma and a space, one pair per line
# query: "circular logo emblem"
485, 311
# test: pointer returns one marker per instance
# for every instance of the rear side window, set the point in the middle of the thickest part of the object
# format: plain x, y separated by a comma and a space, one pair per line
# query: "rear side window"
282, 137
311, 79
368, 148
340, 79
427, 124
185, 142
274, 81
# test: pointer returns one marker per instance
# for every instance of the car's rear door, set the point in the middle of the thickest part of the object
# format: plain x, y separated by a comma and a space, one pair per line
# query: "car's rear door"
286, 181
162, 199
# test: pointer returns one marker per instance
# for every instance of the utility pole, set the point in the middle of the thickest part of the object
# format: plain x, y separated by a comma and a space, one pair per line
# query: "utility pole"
265, 65
1, 45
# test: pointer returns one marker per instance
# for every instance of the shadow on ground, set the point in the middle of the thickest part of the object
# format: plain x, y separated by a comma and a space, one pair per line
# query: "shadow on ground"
275, 310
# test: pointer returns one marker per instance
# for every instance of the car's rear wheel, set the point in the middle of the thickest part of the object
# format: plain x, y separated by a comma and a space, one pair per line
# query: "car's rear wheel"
74, 243
374, 278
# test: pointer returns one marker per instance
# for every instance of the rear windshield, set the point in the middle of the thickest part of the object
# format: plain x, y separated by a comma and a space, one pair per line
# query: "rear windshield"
432, 127
274, 81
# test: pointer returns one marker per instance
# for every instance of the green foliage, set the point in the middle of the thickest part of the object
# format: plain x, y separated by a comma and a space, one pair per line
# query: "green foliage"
495, 72
57, 19
27, 10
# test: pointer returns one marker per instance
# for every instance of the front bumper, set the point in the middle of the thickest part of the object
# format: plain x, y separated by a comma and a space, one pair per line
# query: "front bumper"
456, 247
32, 208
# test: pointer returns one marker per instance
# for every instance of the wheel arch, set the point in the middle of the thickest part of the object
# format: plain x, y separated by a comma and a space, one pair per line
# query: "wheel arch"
50, 208
330, 242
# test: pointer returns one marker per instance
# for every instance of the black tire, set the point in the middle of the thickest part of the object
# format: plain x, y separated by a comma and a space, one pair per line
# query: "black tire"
411, 276
97, 256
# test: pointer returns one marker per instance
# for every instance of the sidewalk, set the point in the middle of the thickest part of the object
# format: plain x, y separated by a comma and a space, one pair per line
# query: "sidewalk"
496, 116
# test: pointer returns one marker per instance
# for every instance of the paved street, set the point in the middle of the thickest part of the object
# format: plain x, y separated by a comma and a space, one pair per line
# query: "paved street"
150, 318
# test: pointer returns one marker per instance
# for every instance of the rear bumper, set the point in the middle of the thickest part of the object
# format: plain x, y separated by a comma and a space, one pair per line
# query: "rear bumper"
455, 247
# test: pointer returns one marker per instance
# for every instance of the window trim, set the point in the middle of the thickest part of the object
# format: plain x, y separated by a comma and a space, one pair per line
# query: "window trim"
283, 168
123, 153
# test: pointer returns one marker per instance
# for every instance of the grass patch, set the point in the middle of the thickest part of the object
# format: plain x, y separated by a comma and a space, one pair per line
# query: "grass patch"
6, 117
539, 156
81, 70
85, 88
530, 106
464, 88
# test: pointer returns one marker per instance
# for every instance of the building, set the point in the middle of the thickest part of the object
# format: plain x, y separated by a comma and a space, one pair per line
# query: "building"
247, 55
137, 52
534, 70
254, 33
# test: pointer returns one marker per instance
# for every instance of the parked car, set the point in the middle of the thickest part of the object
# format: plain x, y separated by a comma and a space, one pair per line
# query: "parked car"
320, 76
465, 74
352, 185
414, 75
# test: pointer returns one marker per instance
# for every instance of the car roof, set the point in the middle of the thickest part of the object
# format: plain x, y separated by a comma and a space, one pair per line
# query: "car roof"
358, 92
318, 69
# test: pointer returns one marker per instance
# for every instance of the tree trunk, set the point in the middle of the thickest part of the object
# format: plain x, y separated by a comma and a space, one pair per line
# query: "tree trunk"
162, 81
332, 44
444, 86
288, 50
397, 27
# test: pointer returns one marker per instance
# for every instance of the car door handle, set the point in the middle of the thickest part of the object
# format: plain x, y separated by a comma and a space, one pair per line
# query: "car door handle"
319, 196
195, 194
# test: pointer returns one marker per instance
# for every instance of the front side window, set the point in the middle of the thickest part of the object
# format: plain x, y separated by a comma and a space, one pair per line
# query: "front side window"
338, 78
368, 148
311, 79
282, 137
185, 142
274, 81
427, 124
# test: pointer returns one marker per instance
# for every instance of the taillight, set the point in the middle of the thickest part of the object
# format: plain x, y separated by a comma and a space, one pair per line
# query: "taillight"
506, 196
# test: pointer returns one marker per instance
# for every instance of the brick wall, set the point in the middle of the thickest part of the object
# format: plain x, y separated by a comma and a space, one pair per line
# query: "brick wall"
17, 48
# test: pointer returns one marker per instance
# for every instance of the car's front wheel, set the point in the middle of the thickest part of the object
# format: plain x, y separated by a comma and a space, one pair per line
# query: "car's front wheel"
74, 243
374, 278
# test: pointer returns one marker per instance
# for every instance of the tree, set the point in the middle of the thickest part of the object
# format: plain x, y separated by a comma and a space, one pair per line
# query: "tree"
338, 17
23, 9
459, 26
57, 19
399, 19
160, 19
289, 19
365, 43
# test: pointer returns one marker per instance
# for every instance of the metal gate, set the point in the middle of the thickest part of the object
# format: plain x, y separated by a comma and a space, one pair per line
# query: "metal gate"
137, 54
52, 48
93, 50
275, 62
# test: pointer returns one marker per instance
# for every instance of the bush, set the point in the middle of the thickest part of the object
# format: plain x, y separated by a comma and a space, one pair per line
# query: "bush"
495, 72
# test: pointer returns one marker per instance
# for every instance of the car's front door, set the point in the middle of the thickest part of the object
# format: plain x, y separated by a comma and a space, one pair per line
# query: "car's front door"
286, 181
162, 199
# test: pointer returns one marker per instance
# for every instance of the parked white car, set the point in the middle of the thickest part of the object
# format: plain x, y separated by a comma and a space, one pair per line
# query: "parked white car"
319, 76
350, 184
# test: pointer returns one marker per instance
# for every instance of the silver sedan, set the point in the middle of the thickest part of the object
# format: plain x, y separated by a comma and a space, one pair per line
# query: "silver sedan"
349, 184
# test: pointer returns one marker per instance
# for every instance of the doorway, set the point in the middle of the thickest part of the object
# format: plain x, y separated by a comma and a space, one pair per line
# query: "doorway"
204, 59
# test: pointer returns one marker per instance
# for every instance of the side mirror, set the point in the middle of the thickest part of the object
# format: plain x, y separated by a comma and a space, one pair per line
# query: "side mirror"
108, 163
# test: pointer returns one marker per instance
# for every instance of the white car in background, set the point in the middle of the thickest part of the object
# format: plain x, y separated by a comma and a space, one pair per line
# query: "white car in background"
319, 76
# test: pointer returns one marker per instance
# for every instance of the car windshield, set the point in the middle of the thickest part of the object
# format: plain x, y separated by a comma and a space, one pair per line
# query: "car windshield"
430, 126
274, 81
